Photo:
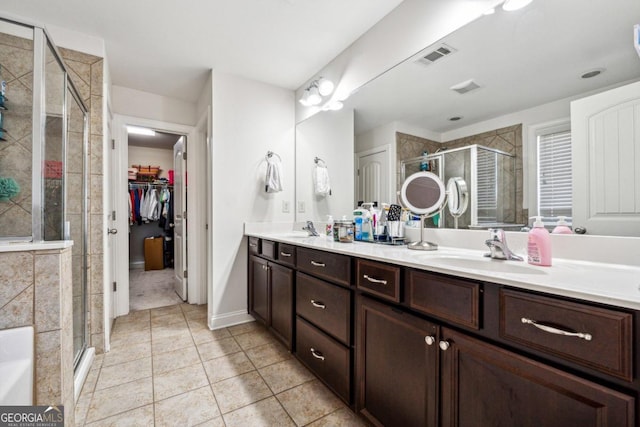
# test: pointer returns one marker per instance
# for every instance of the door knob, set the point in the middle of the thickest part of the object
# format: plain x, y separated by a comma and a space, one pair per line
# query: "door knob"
112, 231
430, 340
444, 345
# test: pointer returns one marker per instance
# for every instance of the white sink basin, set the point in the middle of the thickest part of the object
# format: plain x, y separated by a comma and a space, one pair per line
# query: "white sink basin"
486, 264
295, 235
16, 366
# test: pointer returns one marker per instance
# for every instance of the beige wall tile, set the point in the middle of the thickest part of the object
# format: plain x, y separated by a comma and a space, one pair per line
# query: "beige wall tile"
48, 368
19, 311
16, 274
48, 293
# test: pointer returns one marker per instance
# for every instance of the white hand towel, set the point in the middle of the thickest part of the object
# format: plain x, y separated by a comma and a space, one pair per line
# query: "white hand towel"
321, 180
273, 180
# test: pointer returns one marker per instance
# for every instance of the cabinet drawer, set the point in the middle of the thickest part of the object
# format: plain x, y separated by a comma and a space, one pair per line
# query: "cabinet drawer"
590, 336
268, 249
286, 254
451, 299
378, 279
254, 246
328, 359
325, 305
327, 265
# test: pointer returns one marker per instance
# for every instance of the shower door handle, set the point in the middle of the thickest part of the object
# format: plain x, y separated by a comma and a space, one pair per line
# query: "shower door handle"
112, 231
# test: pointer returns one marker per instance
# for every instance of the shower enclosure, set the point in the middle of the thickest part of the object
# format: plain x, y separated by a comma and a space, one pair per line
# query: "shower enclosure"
43, 154
490, 178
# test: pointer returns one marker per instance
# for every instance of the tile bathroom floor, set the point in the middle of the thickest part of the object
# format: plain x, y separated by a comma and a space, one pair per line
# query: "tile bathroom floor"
151, 289
166, 368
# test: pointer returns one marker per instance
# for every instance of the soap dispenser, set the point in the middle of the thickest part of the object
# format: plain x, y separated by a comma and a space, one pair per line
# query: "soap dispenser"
539, 244
329, 228
562, 227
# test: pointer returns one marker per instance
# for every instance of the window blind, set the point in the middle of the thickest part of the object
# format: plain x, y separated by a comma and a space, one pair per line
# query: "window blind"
554, 174
487, 187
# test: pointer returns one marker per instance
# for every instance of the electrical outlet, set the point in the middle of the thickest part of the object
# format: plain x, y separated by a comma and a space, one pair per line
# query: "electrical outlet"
301, 207
285, 206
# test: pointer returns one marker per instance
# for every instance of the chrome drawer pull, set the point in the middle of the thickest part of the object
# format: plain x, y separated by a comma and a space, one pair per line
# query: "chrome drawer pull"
317, 354
318, 304
372, 280
318, 264
284, 254
552, 330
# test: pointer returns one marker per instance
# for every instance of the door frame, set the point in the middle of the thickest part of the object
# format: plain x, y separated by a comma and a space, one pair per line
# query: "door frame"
120, 181
390, 154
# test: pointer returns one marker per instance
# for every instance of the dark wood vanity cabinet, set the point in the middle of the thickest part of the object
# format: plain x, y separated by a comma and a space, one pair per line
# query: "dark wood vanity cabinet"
396, 370
271, 297
485, 385
407, 347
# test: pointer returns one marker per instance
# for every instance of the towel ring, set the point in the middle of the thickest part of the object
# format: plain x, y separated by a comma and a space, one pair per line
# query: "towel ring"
318, 161
271, 154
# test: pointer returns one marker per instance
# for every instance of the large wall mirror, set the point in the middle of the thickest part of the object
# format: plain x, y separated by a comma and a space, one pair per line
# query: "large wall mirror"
503, 81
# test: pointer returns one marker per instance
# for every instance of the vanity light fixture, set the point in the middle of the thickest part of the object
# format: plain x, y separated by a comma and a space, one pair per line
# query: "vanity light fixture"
511, 5
137, 130
316, 90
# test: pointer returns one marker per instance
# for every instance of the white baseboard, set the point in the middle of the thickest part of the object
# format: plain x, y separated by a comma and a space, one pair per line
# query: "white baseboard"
229, 319
80, 375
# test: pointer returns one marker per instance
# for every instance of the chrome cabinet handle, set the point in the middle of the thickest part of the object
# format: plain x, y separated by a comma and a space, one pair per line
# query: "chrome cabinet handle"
285, 254
318, 264
444, 345
317, 354
430, 339
318, 304
585, 336
372, 280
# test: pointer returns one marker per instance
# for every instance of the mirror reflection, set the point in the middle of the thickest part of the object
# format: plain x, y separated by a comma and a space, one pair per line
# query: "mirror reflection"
507, 85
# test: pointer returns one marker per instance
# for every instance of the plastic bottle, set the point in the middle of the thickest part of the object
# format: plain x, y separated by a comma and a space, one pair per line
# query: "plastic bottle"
539, 244
562, 227
329, 228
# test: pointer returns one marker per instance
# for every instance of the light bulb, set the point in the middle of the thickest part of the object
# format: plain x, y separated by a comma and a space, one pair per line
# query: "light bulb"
314, 97
305, 98
511, 5
325, 86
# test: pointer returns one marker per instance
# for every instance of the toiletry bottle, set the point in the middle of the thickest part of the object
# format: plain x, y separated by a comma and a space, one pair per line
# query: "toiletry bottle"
329, 228
562, 227
539, 244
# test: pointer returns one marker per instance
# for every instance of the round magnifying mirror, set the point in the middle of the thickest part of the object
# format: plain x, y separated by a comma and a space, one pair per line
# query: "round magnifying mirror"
458, 196
423, 194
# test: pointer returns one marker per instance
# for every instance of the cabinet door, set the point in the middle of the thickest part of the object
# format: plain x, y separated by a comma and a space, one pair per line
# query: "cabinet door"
396, 376
484, 385
259, 289
282, 302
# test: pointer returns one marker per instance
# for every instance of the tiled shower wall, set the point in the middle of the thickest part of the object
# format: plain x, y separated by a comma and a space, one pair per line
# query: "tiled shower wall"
86, 72
507, 139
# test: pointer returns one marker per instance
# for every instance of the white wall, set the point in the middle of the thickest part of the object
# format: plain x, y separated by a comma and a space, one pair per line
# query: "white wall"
146, 156
136, 103
328, 136
409, 28
249, 119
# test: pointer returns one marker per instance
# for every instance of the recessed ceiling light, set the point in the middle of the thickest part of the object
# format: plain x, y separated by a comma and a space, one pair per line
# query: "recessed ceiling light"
592, 73
455, 118
511, 5
136, 130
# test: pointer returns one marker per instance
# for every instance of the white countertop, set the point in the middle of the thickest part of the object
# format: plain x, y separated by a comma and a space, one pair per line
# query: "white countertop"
605, 283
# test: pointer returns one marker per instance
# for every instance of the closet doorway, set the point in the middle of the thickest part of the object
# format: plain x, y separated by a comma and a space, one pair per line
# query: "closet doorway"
157, 200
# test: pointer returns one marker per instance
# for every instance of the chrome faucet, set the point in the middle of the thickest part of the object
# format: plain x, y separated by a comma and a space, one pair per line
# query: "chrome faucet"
309, 228
497, 244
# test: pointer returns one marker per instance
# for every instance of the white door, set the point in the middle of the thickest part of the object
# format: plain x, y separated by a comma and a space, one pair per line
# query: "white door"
180, 220
373, 176
110, 267
605, 138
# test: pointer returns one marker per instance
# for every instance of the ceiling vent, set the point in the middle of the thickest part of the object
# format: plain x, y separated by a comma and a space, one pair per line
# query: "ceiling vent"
434, 55
464, 87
